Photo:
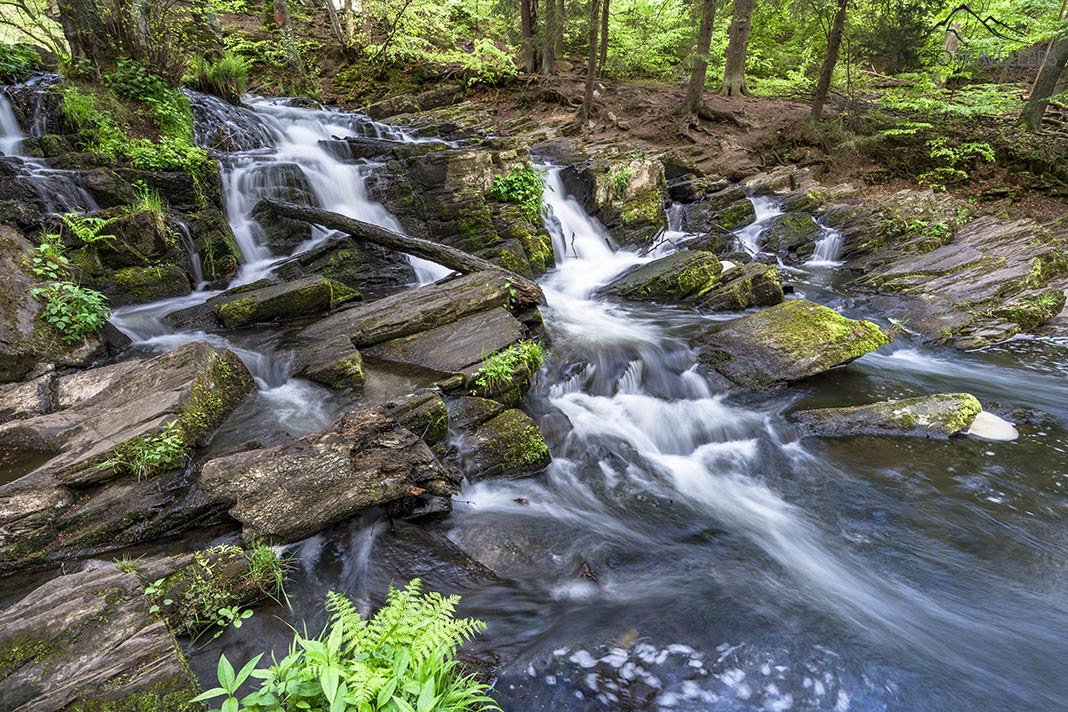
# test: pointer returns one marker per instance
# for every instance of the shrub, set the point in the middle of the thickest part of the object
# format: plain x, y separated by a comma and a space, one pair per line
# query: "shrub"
522, 186
402, 660
145, 455
72, 310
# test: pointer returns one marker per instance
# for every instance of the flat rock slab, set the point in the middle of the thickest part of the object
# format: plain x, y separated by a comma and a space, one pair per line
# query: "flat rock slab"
784, 343
88, 637
935, 416
454, 348
196, 385
330, 346
285, 493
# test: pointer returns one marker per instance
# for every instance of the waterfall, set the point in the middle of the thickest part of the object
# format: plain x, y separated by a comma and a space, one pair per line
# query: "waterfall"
10, 133
765, 209
828, 248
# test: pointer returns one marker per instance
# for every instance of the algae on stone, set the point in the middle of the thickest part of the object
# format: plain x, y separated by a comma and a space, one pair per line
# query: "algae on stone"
935, 416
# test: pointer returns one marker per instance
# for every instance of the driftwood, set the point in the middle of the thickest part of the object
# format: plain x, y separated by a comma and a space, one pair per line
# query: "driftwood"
526, 289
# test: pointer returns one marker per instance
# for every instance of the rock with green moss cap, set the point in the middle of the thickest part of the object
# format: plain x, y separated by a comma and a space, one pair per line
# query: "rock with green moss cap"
137, 285
727, 209
743, 286
935, 416
88, 641
507, 445
186, 392
288, 492
784, 343
625, 193
311, 295
681, 276
791, 236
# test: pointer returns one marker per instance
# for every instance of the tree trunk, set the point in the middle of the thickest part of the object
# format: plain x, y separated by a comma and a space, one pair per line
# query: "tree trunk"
734, 73
1046, 84
591, 62
548, 50
528, 16
335, 24
104, 31
442, 254
561, 23
289, 41
695, 92
834, 43
348, 22
604, 38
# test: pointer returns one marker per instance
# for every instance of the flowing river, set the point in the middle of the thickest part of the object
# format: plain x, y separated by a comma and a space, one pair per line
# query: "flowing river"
685, 550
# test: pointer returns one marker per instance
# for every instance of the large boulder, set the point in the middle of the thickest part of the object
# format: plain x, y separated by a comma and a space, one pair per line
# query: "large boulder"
791, 236
89, 640
364, 459
625, 193
285, 182
727, 209
189, 390
371, 270
784, 343
987, 282
743, 286
934, 416
505, 445
681, 276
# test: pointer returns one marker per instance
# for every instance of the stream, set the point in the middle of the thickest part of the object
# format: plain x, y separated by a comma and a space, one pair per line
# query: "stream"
685, 550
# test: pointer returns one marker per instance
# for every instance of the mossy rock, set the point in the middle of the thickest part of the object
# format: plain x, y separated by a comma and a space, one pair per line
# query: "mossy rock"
424, 413
136, 285
791, 235
784, 343
1031, 310
681, 276
508, 445
934, 416
310, 295
743, 286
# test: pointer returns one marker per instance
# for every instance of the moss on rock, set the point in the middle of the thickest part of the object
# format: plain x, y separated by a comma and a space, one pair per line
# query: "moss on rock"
135, 285
935, 416
305, 296
682, 276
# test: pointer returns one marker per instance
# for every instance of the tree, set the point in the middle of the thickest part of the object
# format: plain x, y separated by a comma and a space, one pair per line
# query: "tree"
695, 92
548, 50
834, 43
591, 62
104, 31
734, 72
528, 17
1046, 84
604, 37
289, 41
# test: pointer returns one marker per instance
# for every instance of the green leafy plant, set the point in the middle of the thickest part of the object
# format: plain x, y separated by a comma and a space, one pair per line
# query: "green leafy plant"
17, 62
225, 77
89, 230
956, 161
621, 181
72, 310
148, 454
523, 187
401, 660
499, 368
49, 259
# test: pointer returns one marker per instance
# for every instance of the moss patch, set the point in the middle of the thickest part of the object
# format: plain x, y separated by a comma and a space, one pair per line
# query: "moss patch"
149, 284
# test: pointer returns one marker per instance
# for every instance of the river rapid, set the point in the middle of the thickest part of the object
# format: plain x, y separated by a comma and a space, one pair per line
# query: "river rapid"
686, 550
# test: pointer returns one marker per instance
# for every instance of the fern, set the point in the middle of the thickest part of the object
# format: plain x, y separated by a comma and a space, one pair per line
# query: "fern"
402, 660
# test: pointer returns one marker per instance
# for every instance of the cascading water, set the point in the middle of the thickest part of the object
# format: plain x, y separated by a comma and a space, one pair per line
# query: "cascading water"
828, 248
765, 209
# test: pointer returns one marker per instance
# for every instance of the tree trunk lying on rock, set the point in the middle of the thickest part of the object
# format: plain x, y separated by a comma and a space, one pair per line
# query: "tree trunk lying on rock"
450, 257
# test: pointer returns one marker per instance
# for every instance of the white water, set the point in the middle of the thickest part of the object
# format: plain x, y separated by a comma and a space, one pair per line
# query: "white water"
828, 249
10, 133
749, 236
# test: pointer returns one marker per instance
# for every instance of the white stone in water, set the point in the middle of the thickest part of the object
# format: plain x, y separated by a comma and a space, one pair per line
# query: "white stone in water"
727, 265
988, 426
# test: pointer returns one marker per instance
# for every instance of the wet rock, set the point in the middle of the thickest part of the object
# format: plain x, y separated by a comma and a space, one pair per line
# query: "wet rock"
783, 179
743, 286
984, 284
330, 344
727, 209
934, 416
369, 269
436, 98
221, 126
468, 412
196, 386
681, 276
691, 189
80, 386
364, 459
264, 301
214, 241
285, 182
141, 238
784, 343
424, 413
507, 445
625, 194
791, 236
86, 639
137, 285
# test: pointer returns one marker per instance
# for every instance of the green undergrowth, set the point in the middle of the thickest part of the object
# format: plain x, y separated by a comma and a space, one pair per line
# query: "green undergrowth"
401, 660
70, 310
498, 369
523, 187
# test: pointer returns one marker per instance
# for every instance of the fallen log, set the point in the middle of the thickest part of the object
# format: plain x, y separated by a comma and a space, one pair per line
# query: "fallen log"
458, 260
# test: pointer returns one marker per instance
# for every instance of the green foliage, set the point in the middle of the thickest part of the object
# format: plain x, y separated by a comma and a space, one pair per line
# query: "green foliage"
17, 62
88, 230
148, 454
225, 77
621, 181
208, 596
402, 660
147, 200
954, 161
499, 368
72, 310
522, 186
